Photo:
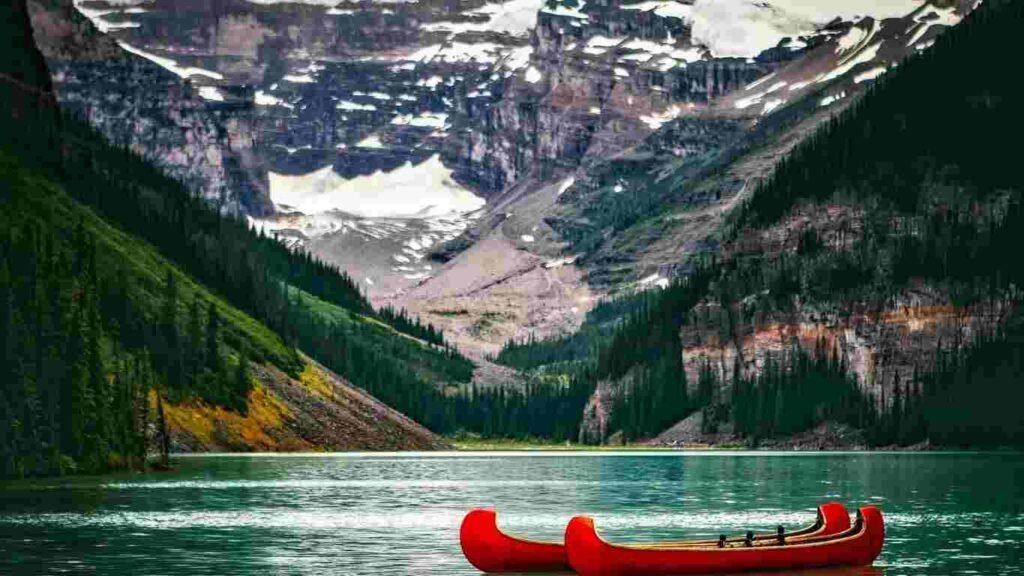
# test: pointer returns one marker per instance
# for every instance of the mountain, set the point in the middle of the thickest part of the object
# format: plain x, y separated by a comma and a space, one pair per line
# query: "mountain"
383, 128
147, 108
626, 144
340, 109
583, 196
135, 315
860, 283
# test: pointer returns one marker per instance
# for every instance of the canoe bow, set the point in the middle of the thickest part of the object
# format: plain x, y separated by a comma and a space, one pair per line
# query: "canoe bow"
490, 550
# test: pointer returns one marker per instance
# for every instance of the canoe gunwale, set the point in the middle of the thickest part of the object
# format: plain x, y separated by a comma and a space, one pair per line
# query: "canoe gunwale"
858, 530
818, 529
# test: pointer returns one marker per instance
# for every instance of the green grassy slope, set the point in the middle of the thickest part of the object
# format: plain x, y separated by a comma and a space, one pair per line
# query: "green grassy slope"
114, 281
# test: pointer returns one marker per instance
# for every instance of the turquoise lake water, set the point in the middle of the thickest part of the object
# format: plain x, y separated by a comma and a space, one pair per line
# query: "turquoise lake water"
362, 514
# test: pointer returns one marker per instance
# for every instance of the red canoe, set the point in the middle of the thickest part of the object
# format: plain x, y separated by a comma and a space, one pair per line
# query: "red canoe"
589, 555
491, 550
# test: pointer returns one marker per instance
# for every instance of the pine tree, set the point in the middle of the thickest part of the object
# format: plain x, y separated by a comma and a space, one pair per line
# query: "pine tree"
165, 435
212, 346
194, 343
171, 356
242, 385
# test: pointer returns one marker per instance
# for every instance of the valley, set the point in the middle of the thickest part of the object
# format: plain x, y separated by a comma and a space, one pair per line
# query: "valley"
672, 222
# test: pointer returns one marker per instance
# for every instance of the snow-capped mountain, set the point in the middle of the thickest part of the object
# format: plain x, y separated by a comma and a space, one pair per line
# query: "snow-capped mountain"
379, 132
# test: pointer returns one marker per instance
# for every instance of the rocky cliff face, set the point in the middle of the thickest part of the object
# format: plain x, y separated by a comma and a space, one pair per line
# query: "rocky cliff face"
150, 110
600, 79
696, 186
350, 107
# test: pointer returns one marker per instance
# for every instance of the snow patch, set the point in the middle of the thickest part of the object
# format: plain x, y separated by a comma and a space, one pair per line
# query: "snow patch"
533, 75
518, 58
171, 65
934, 17
565, 185
265, 99
560, 262
832, 98
771, 105
664, 9
424, 120
371, 141
96, 15
566, 11
654, 280
745, 28
527, 238
431, 82
756, 98
298, 78
655, 121
760, 81
870, 74
605, 42
347, 105
863, 56
211, 93
419, 191
516, 17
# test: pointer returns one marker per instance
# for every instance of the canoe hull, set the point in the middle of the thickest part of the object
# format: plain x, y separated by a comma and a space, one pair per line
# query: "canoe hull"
589, 555
489, 549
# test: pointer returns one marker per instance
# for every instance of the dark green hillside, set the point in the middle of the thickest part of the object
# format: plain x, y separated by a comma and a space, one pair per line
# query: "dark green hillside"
923, 171
92, 319
114, 281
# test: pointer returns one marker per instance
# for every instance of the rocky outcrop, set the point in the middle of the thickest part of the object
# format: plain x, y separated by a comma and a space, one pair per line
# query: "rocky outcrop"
138, 104
600, 80
315, 411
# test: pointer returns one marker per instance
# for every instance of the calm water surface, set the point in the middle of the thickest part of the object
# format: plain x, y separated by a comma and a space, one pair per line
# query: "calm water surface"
399, 514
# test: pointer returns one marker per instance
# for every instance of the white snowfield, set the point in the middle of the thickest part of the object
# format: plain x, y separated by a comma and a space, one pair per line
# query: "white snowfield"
516, 17
424, 190
745, 28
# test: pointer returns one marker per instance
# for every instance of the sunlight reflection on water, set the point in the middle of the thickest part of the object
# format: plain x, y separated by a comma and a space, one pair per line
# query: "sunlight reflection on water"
399, 514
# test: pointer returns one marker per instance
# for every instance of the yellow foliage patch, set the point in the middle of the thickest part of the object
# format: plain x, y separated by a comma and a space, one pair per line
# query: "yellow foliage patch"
215, 428
316, 382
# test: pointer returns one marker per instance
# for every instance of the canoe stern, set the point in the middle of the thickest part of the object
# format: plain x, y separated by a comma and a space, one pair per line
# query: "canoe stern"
490, 550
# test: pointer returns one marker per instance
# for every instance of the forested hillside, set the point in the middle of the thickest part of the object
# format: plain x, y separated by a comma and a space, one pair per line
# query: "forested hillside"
907, 205
115, 282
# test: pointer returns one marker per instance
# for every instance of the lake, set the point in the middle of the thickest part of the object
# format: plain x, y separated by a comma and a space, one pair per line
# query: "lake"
363, 514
